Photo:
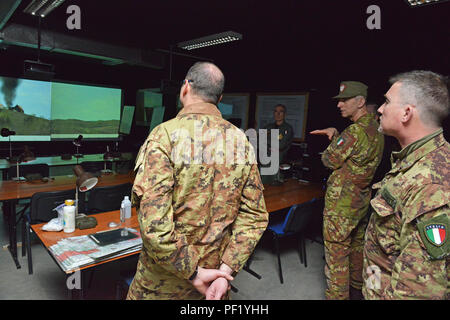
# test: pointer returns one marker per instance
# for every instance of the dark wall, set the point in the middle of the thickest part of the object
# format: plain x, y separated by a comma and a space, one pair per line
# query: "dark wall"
288, 46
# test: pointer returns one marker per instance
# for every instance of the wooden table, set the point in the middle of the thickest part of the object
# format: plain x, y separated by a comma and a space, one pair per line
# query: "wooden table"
12, 191
289, 193
276, 197
49, 238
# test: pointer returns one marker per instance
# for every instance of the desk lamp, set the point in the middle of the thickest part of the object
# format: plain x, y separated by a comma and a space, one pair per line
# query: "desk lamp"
77, 143
25, 156
107, 156
7, 133
85, 182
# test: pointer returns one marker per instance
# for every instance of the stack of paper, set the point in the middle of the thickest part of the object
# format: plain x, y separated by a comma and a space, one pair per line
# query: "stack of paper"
75, 252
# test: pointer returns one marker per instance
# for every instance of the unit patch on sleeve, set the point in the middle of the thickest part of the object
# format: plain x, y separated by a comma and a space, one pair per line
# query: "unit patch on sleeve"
434, 235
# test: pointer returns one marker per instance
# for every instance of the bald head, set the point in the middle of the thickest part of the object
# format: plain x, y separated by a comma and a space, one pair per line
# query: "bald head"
207, 81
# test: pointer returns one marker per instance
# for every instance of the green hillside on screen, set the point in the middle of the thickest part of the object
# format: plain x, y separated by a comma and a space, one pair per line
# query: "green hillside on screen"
24, 124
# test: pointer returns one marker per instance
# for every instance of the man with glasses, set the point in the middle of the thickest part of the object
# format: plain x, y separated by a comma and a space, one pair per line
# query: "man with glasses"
353, 156
200, 198
406, 251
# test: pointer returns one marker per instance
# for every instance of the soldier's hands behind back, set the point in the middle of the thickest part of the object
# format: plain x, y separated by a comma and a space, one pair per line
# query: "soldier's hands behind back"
217, 289
205, 276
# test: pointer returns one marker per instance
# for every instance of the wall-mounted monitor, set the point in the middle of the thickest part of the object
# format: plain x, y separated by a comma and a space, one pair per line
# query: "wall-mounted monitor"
126, 120
43, 110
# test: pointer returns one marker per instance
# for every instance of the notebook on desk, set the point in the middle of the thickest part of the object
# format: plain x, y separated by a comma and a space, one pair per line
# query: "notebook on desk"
112, 236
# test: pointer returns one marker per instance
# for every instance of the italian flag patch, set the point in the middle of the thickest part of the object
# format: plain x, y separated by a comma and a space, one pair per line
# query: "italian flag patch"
436, 233
340, 142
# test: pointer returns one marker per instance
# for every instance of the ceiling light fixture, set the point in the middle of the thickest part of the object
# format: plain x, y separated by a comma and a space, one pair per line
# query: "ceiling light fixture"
42, 7
210, 40
420, 3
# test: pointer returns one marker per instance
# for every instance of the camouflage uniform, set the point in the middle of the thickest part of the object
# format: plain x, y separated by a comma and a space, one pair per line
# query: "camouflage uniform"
192, 213
404, 260
354, 156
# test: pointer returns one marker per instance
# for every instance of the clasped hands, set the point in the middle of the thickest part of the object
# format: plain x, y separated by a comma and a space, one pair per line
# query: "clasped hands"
213, 283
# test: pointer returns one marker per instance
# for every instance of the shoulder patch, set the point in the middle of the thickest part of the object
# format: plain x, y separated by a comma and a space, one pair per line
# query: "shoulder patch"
345, 140
388, 197
434, 235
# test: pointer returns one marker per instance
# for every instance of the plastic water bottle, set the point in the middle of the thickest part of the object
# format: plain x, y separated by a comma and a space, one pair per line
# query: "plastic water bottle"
69, 216
126, 203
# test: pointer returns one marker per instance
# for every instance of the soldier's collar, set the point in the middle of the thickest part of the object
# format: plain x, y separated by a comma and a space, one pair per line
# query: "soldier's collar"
416, 150
200, 108
364, 118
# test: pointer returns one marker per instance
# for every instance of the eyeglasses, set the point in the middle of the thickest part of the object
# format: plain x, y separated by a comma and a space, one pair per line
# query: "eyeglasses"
184, 81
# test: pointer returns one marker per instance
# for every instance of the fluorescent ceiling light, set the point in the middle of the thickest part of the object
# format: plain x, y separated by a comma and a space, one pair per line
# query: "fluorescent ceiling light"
42, 7
419, 3
211, 40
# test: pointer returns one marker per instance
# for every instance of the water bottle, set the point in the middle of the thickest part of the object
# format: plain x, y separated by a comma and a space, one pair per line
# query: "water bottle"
127, 206
69, 216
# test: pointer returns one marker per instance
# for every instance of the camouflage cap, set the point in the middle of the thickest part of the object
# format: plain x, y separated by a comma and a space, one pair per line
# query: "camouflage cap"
350, 89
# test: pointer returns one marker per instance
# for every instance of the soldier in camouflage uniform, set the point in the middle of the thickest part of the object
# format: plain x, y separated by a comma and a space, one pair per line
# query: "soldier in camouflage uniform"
199, 196
353, 156
406, 252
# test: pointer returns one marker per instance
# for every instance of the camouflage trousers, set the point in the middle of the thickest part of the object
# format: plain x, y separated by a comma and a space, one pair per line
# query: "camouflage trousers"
344, 243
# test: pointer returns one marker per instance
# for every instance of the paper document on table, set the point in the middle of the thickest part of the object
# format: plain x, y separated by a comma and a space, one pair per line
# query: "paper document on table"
76, 252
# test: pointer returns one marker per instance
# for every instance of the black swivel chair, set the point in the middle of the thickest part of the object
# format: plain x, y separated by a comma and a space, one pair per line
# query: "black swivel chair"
27, 169
94, 167
102, 199
294, 224
42, 205
41, 170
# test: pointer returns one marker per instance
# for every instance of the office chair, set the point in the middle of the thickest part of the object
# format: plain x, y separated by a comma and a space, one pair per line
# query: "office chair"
294, 223
102, 199
27, 169
41, 210
41, 169
94, 167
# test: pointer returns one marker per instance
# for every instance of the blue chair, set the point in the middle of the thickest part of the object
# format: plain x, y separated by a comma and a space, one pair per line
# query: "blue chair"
294, 224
